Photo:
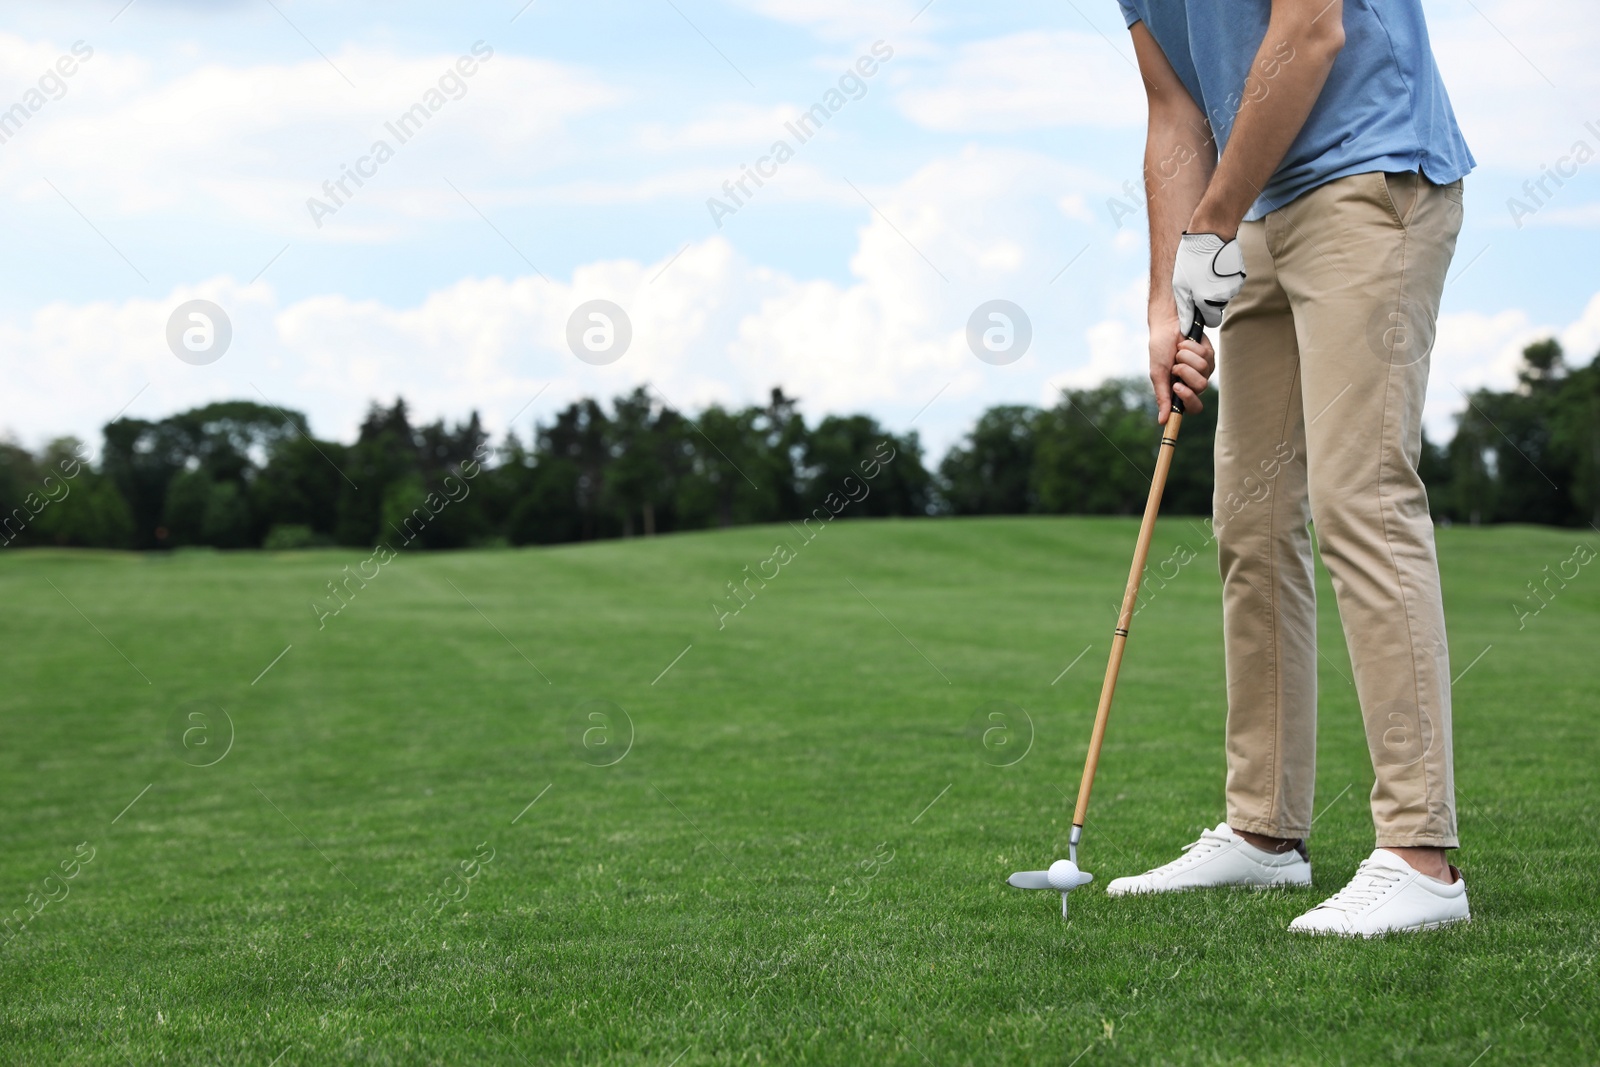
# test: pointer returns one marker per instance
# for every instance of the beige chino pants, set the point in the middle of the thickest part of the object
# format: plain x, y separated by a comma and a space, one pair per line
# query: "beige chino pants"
1323, 364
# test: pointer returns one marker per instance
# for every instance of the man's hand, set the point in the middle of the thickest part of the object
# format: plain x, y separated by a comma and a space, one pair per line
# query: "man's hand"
1178, 365
1207, 272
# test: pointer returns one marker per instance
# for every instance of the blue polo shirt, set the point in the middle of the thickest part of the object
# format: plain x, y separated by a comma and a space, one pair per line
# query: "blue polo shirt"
1383, 108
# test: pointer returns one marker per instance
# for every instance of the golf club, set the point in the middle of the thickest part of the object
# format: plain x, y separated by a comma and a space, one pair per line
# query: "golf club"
1064, 875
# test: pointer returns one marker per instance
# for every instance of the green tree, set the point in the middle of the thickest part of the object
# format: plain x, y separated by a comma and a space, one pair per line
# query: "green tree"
546, 511
227, 522
92, 514
184, 516
225, 442
1098, 447
301, 485
1095, 452
20, 478
780, 452
141, 458
990, 471
385, 452
1505, 463
854, 446
1575, 437
732, 478
637, 481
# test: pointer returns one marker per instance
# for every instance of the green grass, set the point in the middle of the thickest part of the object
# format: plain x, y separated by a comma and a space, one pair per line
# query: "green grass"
799, 860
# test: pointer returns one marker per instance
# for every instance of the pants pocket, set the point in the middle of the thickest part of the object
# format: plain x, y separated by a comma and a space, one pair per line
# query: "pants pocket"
1400, 195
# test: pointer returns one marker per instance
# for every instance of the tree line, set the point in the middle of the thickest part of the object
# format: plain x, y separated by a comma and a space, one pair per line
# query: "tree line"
238, 474
1531, 454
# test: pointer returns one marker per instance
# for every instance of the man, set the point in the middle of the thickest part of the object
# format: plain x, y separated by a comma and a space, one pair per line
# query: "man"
1304, 169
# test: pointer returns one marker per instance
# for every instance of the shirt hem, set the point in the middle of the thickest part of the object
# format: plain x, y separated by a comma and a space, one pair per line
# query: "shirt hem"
1436, 170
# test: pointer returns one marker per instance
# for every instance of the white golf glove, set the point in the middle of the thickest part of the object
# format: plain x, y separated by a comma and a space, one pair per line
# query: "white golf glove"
1206, 274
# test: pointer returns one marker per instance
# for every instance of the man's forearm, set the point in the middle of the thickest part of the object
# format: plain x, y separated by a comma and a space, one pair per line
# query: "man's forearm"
1285, 80
1179, 157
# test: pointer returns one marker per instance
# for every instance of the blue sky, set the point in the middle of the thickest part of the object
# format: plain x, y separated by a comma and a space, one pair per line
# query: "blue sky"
976, 163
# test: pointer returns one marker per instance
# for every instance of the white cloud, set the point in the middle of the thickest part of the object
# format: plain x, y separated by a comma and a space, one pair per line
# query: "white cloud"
740, 126
1033, 80
1584, 215
254, 142
846, 20
1483, 351
711, 326
1117, 344
249, 142
1581, 339
1521, 77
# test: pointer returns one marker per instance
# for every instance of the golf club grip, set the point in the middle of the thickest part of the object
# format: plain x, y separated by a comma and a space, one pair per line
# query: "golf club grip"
1130, 597
1197, 333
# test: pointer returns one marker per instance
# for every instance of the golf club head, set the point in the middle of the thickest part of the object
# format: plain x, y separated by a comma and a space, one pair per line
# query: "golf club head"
1030, 880
1063, 876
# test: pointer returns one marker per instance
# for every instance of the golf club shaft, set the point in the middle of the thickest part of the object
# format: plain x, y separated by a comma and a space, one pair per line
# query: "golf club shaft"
1130, 594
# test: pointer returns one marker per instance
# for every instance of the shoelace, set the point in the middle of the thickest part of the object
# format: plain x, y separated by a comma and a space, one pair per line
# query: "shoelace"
1370, 883
1209, 842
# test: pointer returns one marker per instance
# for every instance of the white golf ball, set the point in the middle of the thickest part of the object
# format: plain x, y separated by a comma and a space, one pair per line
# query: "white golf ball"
1063, 874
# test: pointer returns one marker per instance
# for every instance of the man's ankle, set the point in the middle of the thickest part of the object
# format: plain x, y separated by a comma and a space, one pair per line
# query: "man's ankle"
1432, 862
1275, 845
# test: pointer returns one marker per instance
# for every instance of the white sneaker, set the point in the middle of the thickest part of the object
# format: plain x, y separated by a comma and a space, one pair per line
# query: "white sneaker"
1387, 895
1221, 857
